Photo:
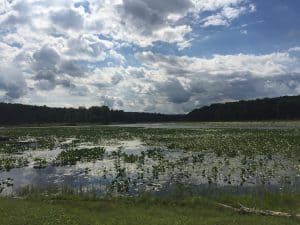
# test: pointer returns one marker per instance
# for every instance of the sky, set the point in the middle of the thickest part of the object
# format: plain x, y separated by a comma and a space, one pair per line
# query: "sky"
167, 56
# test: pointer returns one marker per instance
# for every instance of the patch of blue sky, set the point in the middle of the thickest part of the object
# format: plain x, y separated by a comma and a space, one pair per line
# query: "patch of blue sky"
128, 51
85, 4
164, 48
273, 27
16, 45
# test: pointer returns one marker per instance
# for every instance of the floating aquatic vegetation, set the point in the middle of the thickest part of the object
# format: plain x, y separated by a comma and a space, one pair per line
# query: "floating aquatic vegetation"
155, 153
40, 163
151, 158
73, 155
132, 158
9, 162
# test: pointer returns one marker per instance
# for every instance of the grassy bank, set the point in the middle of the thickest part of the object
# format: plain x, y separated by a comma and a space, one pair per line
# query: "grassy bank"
144, 210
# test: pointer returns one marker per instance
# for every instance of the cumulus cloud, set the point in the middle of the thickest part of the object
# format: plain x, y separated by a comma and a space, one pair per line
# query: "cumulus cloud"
141, 22
88, 47
222, 77
258, 65
46, 59
15, 13
67, 19
294, 49
72, 68
12, 83
173, 90
86, 52
149, 15
223, 18
50, 69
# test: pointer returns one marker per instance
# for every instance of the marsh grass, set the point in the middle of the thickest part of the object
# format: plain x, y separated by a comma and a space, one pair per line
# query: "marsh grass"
221, 141
67, 207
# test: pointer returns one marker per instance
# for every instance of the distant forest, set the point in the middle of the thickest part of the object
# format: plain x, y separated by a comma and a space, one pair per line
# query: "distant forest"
26, 114
281, 108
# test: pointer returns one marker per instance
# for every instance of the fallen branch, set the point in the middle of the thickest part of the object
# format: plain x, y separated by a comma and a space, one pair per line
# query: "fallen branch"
245, 210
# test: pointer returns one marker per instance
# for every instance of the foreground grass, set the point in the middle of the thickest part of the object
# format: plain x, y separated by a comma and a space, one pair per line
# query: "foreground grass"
143, 210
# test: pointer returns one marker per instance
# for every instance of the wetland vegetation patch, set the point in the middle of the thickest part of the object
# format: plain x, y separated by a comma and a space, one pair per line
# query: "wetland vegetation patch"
73, 155
132, 160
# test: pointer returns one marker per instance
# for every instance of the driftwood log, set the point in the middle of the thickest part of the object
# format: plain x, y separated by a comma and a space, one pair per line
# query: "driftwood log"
245, 210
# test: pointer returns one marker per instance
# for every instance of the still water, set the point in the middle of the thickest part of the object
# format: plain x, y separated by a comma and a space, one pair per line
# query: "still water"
131, 167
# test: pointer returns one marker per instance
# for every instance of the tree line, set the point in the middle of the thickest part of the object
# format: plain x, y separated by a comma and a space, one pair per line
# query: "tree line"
11, 114
281, 108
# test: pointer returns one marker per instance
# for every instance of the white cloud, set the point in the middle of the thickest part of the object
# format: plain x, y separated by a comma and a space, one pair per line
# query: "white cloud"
12, 83
294, 49
172, 34
174, 84
67, 19
222, 77
225, 17
257, 65
88, 47
245, 32
34, 23
223, 12
215, 20
77, 56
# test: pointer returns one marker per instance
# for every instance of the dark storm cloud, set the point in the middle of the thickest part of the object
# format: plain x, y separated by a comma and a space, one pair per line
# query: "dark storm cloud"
149, 15
46, 59
116, 79
12, 83
79, 90
45, 85
46, 80
172, 65
50, 70
65, 83
45, 67
174, 91
45, 75
72, 68
101, 85
67, 19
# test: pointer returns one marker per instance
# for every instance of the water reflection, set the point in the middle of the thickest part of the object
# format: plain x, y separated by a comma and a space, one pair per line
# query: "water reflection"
130, 167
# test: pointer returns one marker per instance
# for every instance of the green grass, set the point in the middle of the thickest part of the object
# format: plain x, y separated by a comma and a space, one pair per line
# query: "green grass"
144, 210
